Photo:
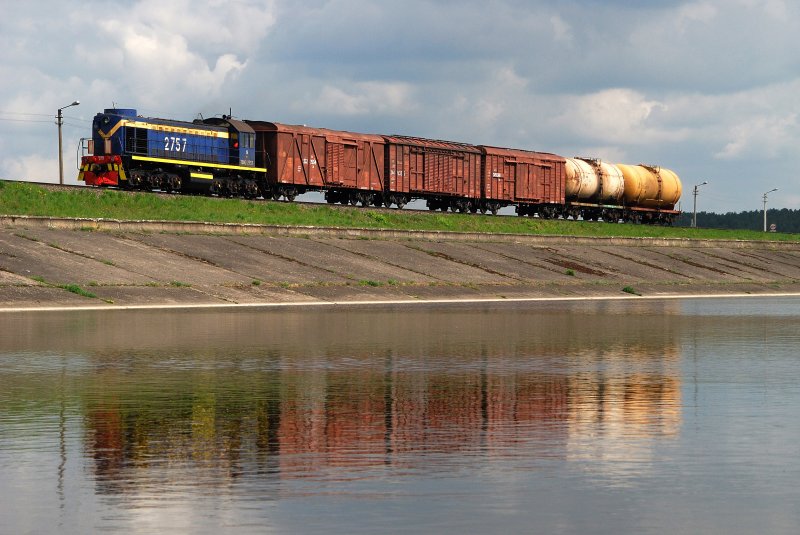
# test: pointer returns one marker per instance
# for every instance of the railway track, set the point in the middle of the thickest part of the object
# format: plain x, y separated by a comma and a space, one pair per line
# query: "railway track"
506, 212
407, 209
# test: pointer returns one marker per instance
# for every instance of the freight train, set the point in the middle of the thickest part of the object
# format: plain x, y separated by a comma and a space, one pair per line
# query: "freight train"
251, 159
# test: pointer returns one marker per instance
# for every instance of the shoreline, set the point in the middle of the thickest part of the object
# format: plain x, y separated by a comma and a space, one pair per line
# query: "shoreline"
391, 303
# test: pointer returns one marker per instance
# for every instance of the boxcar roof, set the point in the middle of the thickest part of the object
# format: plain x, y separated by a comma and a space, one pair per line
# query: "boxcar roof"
431, 143
265, 126
521, 154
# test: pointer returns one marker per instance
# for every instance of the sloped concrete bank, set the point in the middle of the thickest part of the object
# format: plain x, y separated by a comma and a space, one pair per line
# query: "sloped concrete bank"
60, 262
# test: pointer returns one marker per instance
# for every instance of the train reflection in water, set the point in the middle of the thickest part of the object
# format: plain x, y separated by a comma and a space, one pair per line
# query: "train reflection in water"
494, 384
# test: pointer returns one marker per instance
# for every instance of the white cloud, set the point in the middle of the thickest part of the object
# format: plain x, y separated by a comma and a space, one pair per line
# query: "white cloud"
698, 12
562, 31
762, 136
34, 168
776, 9
161, 65
390, 98
617, 115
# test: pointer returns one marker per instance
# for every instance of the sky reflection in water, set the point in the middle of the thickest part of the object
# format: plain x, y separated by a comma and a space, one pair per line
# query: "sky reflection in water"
602, 417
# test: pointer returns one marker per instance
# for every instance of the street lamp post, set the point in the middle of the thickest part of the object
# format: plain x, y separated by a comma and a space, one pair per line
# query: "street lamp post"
694, 210
59, 121
765, 206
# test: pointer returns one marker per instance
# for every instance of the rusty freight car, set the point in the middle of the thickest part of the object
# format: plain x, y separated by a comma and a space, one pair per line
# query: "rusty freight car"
446, 174
533, 181
348, 167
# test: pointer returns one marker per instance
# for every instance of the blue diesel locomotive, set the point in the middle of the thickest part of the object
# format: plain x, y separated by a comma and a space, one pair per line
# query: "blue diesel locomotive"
211, 155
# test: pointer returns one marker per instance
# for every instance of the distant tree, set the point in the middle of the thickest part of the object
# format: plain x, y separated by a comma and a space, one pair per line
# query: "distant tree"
785, 220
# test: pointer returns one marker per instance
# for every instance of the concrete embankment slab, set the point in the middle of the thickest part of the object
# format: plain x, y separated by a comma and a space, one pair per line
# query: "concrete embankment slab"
44, 264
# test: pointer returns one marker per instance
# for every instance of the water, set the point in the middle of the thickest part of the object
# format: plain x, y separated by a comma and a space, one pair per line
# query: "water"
596, 417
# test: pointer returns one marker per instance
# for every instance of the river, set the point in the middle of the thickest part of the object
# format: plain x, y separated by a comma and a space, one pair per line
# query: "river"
576, 417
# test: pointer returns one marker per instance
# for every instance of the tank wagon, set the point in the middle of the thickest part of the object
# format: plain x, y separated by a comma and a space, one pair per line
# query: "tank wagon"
228, 157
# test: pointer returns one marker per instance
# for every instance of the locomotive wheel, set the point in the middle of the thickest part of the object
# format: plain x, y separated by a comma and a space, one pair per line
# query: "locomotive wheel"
171, 183
135, 179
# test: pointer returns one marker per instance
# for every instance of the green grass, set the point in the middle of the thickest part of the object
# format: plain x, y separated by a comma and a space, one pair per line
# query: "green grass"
73, 288
19, 198
630, 290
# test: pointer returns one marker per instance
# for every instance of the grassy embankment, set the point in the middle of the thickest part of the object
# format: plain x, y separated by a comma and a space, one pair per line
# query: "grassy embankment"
19, 198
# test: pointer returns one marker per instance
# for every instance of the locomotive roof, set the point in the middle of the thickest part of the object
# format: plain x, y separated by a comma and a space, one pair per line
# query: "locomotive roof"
131, 115
241, 126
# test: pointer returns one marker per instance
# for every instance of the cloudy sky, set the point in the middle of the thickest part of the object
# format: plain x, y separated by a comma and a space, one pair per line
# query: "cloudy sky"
708, 88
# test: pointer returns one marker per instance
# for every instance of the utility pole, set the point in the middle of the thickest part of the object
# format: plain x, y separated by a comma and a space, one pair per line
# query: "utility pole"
59, 122
765, 207
694, 210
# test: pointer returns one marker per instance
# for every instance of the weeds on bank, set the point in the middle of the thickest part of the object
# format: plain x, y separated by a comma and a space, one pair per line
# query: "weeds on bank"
74, 288
71, 287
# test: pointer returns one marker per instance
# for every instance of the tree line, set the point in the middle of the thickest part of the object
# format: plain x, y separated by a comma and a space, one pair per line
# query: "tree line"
785, 220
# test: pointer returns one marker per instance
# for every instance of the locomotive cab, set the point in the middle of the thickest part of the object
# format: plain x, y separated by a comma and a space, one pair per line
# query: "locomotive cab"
241, 140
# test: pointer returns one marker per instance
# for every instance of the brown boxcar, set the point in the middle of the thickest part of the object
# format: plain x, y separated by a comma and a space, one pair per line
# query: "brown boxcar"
532, 180
446, 174
348, 166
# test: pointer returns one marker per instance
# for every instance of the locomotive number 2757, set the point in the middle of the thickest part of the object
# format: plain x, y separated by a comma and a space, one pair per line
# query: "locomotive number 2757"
177, 144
